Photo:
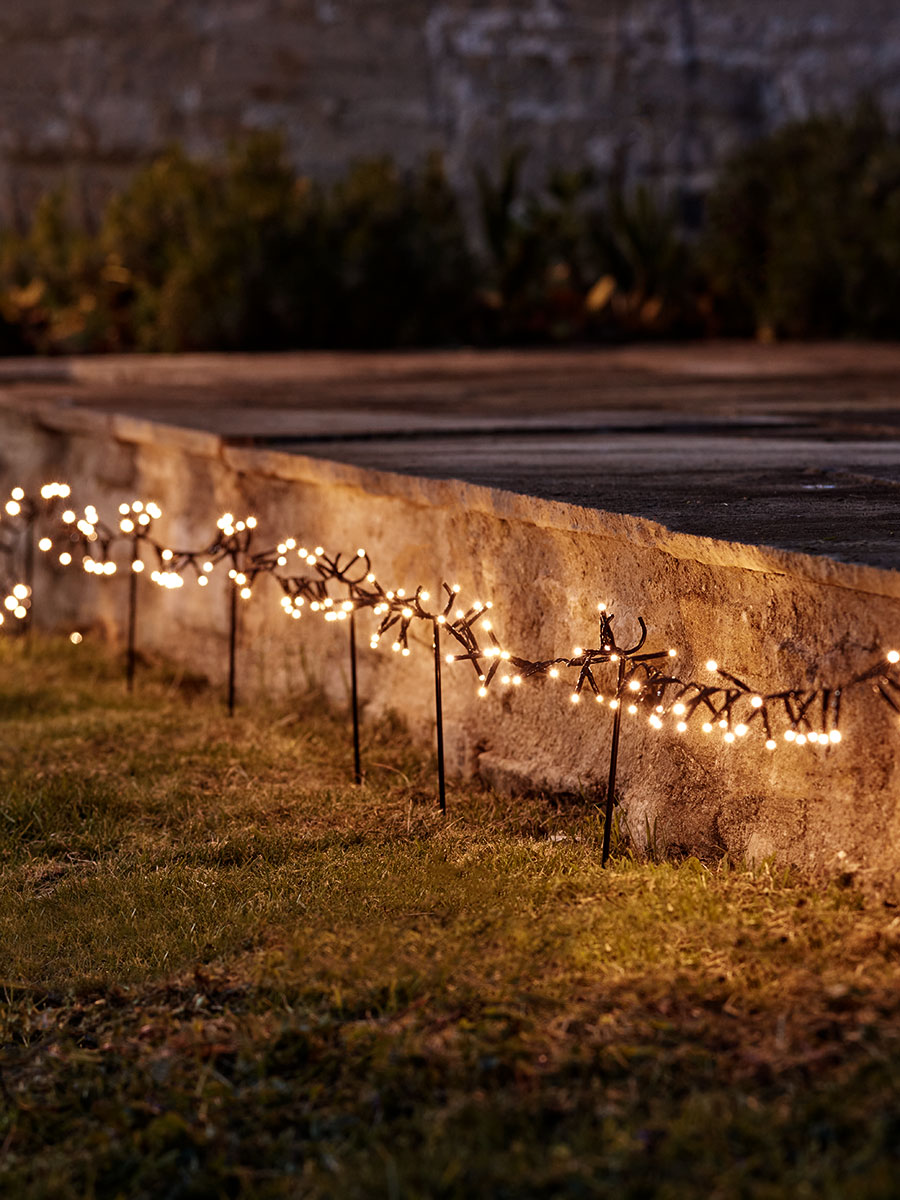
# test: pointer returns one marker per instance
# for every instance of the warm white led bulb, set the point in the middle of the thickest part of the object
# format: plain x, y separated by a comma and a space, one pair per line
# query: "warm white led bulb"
712, 665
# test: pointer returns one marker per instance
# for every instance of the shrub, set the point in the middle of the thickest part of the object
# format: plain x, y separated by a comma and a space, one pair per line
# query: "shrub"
804, 231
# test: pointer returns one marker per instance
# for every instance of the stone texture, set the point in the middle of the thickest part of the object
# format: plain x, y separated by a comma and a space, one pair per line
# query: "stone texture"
640, 89
774, 617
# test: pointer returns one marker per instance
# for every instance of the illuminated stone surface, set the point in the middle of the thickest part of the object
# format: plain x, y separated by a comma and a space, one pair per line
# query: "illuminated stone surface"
773, 616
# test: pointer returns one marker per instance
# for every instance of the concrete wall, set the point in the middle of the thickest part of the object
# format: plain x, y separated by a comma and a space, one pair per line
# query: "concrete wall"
773, 617
654, 89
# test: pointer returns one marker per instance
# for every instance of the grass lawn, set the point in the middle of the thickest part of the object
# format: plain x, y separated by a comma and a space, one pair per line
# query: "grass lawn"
225, 972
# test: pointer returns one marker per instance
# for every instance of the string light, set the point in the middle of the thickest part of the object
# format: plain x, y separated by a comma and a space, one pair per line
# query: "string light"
810, 717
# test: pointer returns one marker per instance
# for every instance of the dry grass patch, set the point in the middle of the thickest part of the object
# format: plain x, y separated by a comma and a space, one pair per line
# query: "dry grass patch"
228, 973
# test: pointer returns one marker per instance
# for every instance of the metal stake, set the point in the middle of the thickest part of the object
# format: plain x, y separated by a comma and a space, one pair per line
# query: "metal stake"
232, 648
439, 714
29, 569
354, 699
613, 763
131, 661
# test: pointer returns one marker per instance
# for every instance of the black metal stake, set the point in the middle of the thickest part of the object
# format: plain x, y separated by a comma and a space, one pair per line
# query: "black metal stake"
354, 699
131, 661
232, 648
29, 570
439, 714
613, 763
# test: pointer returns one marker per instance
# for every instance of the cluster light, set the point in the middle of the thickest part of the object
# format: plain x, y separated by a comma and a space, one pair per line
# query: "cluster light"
337, 587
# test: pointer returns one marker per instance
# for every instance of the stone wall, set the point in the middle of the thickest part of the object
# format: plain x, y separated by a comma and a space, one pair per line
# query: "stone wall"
775, 618
652, 89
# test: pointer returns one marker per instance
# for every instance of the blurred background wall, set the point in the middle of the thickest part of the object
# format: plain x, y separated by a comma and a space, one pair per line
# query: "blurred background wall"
652, 90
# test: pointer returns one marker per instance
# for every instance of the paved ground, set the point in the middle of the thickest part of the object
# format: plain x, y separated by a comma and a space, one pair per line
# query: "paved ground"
796, 447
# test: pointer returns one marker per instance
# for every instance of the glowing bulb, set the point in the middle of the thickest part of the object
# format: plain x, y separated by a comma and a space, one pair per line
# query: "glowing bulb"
673, 653
835, 735
405, 652
13, 508
9, 603
723, 724
251, 522
202, 580
347, 606
20, 591
634, 686
137, 566
207, 567
756, 702
681, 726
801, 739
678, 709
482, 691
812, 736
167, 555
576, 651
740, 730
154, 510
318, 549
65, 558
655, 721
45, 544
407, 612
68, 516
360, 553
425, 595
729, 737
893, 656
442, 620
246, 593
485, 624
517, 679
632, 708
771, 743
790, 735
712, 665
75, 638
613, 704
599, 698
18, 493
601, 608
554, 673
449, 658
396, 647
706, 727
124, 510
575, 697
456, 588
126, 526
